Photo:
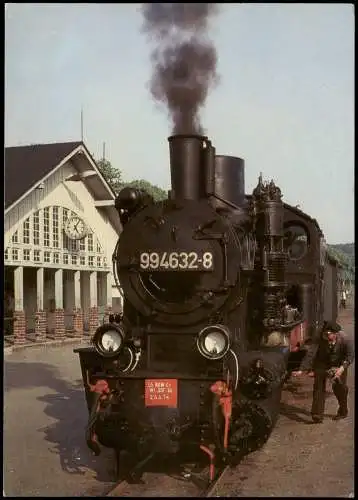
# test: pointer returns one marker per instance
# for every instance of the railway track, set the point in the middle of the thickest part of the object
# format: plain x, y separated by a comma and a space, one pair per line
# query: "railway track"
169, 479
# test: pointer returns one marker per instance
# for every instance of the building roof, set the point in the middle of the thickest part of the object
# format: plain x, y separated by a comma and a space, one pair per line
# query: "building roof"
25, 166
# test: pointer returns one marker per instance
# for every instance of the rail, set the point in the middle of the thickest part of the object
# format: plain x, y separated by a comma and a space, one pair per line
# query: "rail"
173, 478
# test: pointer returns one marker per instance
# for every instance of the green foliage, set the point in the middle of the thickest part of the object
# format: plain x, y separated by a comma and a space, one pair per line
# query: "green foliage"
344, 254
158, 193
114, 178
112, 174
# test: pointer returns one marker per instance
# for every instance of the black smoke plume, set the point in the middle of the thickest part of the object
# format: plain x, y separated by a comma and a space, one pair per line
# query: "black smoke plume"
184, 59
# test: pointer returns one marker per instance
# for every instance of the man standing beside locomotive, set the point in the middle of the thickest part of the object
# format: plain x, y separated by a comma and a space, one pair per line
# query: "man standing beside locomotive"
330, 357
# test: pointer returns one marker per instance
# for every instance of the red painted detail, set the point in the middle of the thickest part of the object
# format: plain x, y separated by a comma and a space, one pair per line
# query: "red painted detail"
209, 452
222, 391
161, 392
297, 336
100, 387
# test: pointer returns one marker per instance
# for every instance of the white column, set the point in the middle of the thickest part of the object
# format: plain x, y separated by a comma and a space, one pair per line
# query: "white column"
59, 289
40, 288
109, 289
19, 288
77, 284
93, 289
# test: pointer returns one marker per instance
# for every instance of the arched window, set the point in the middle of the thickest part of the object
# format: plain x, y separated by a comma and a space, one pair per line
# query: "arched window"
296, 240
41, 239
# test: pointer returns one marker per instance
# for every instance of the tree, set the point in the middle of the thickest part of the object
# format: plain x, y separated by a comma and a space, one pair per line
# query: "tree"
111, 174
158, 193
114, 178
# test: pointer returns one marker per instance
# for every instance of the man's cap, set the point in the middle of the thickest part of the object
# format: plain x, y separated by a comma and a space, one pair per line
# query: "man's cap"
331, 326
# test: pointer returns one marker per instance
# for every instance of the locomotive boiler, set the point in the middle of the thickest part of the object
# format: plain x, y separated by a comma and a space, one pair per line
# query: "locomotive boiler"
198, 357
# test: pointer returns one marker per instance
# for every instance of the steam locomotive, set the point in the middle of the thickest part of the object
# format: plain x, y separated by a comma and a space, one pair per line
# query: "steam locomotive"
221, 290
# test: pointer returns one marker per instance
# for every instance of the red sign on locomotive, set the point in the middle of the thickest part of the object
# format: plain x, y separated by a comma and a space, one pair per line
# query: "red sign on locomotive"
161, 392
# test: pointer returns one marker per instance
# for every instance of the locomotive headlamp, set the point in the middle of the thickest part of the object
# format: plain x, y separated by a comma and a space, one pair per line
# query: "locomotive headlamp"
214, 341
108, 340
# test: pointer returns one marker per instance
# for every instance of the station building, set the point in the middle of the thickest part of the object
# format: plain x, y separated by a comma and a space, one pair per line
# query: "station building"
61, 228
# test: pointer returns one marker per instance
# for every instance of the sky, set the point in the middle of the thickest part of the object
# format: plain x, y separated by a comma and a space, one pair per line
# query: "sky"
284, 103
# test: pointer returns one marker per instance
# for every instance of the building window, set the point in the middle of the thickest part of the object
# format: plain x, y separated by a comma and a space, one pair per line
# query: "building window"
82, 260
46, 227
83, 245
99, 261
36, 228
104, 261
15, 237
91, 261
26, 232
47, 256
56, 258
64, 219
27, 255
74, 260
98, 247
66, 242
64, 215
90, 242
65, 258
55, 228
37, 255
15, 254
72, 246
7, 254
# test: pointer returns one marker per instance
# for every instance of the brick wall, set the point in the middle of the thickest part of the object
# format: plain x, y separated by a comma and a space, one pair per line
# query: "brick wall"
40, 326
107, 312
59, 323
78, 322
19, 327
93, 320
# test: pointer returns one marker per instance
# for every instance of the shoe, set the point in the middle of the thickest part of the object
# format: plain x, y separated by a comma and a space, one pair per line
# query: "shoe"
341, 414
317, 419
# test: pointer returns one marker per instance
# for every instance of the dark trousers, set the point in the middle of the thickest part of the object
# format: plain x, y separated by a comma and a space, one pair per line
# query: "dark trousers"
340, 390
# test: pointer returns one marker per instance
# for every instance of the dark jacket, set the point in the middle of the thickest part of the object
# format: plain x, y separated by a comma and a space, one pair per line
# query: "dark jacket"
321, 356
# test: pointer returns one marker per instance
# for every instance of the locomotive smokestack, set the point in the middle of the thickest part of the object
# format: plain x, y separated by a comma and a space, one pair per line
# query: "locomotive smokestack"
186, 166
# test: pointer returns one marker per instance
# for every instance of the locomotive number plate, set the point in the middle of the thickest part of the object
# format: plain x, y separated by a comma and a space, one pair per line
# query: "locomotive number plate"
161, 392
176, 261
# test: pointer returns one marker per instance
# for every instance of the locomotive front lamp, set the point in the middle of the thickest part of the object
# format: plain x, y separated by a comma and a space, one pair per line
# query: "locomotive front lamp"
213, 341
108, 340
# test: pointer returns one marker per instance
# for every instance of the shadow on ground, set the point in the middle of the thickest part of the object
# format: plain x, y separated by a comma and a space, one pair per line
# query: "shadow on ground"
66, 407
296, 393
